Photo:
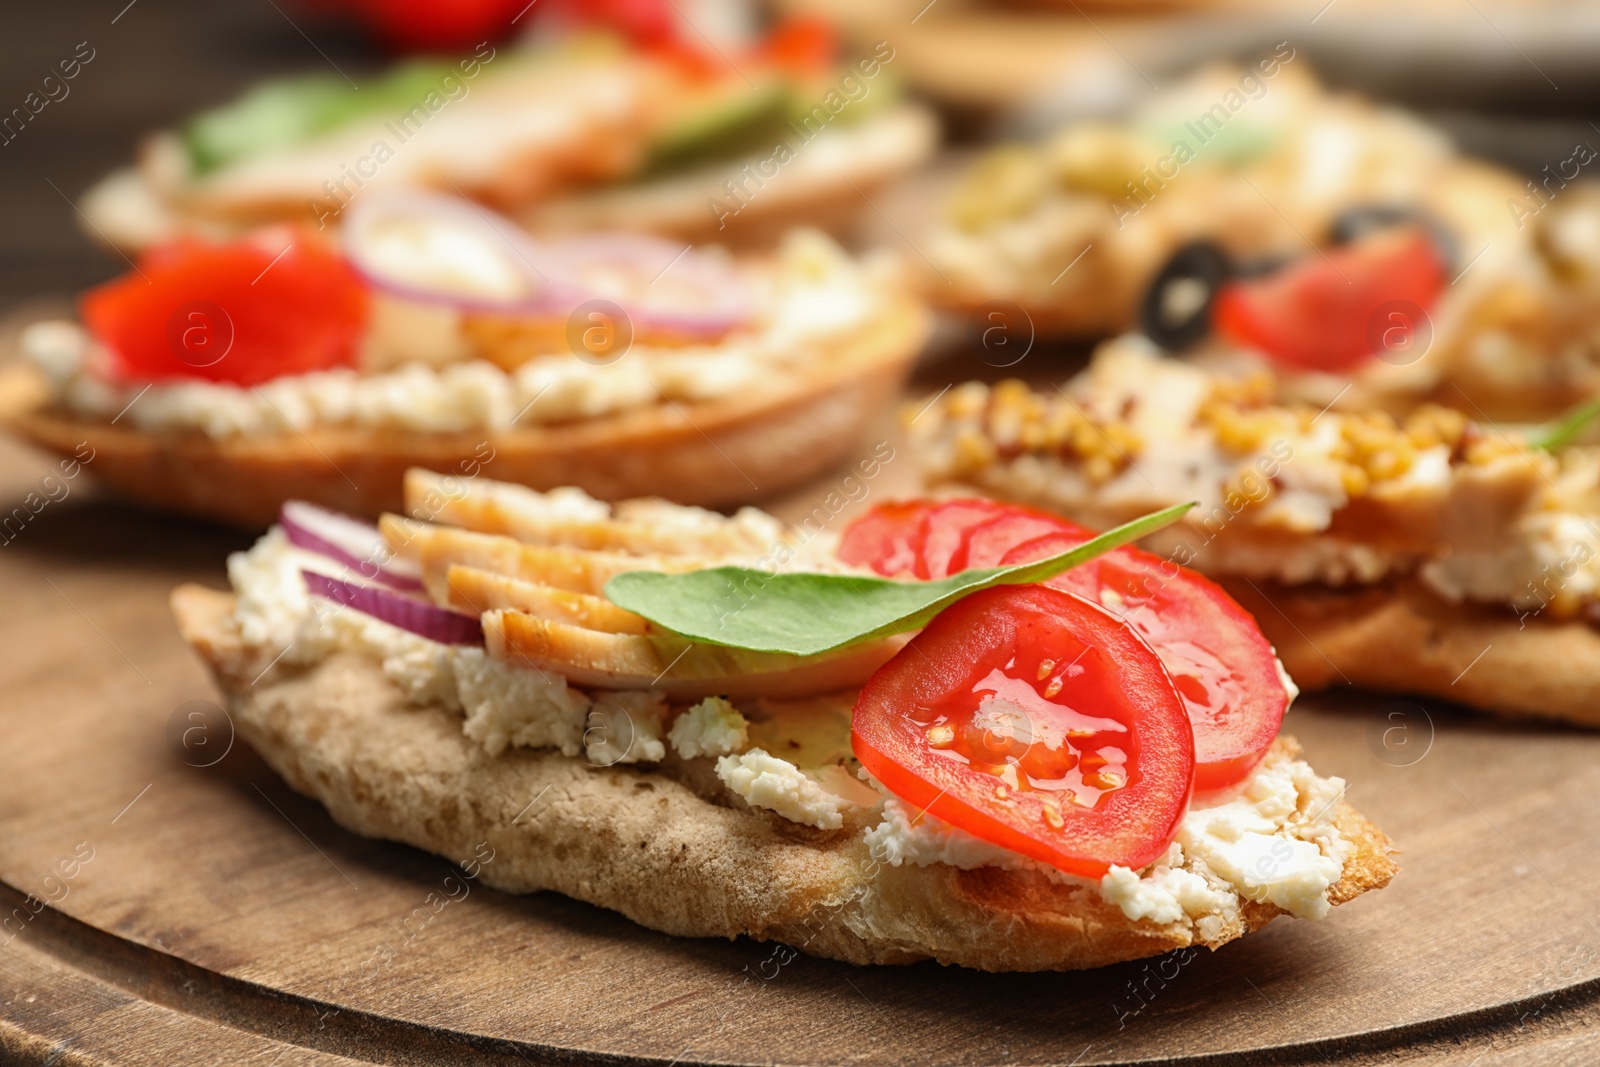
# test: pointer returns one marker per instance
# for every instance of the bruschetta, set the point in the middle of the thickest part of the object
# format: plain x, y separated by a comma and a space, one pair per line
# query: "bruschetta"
1428, 554
221, 379
578, 132
465, 674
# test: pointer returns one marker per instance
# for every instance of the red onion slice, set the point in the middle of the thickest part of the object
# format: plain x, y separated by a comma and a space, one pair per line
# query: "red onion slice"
434, 249
357, 545
406, 612
664, 287
437, 249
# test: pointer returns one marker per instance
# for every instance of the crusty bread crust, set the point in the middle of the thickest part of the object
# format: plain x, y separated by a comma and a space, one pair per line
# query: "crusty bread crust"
1404, 638
670, 848
712, 453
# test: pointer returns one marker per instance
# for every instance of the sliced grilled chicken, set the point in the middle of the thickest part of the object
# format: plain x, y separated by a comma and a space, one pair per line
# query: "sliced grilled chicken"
435, 548
641, 527
476, 590
684, 670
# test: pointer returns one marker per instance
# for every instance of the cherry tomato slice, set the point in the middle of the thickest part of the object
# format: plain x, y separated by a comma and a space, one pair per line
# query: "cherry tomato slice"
888, 539
803, 46
1337, 310
950, 527
430, 26
1223, 666
935, 539
278, 303
988, 546
1037, 721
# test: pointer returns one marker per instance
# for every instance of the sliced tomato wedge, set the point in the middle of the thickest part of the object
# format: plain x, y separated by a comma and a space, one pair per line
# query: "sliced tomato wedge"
1223, 666
1037, 721
280, 302
803, 46
949, 531
889, 539
1336, 310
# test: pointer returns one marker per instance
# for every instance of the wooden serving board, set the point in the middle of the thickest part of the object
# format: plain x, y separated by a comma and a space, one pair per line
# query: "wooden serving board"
206, 914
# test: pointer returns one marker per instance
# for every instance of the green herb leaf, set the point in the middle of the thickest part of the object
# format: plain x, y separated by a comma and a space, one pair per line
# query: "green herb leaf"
805, 614
1565, 430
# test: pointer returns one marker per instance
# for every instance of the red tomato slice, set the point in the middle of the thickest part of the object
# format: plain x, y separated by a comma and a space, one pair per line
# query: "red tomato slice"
1336, 310
988, 546
1223, 666
888, 539
281, 302
1037, 721
430, 26
935, 539
950, 527
802, 46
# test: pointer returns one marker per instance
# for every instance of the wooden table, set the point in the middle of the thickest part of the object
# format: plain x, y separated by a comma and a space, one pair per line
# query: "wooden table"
212, 916
222, 918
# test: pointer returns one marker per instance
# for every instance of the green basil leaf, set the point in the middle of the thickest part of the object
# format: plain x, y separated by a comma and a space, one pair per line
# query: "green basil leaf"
804, 614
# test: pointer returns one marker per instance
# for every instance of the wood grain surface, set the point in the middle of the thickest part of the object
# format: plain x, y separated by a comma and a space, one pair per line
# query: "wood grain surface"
221, 918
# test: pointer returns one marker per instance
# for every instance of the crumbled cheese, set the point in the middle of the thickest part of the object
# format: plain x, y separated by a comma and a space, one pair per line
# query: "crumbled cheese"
513, 705
1290, 690
1166, 893
625, 727
909, 836
768, 782
712, 727
1262, 847
1276, 841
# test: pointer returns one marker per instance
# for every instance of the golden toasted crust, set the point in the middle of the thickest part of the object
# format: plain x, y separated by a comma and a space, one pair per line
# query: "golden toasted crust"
1407, 639
670, 848
711, 453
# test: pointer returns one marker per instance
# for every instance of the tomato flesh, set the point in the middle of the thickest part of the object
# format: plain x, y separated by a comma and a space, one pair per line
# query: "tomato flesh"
1037, 721
888, 539
803, 46
1224, 668
1333, 311
278, 303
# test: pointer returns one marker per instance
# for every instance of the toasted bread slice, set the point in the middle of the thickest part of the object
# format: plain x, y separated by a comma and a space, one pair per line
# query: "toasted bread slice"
1404, 638
715, 452
670, 847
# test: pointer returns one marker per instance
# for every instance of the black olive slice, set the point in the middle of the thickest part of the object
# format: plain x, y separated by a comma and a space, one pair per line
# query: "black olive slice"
1177, 307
